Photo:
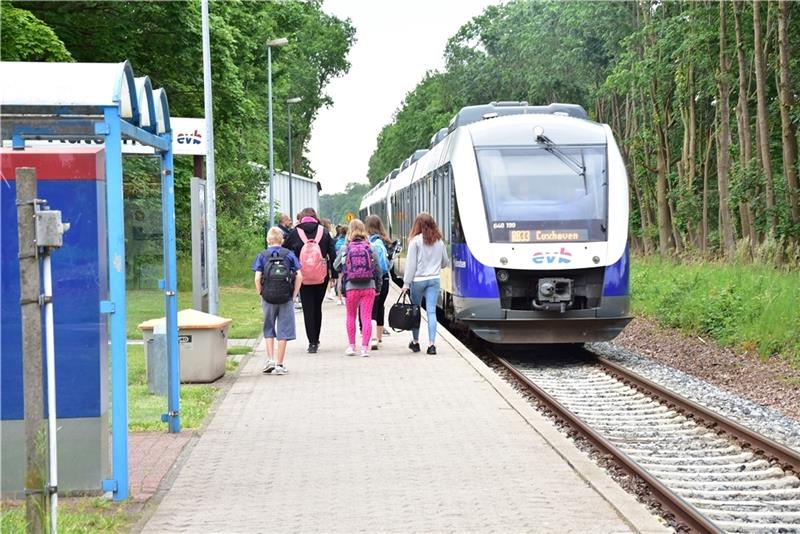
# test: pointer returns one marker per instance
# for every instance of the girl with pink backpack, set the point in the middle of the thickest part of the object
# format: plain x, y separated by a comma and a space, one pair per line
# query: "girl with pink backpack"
361, 282
313, 246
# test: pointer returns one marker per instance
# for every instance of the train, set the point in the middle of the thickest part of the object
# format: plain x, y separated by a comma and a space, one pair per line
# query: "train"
532, 202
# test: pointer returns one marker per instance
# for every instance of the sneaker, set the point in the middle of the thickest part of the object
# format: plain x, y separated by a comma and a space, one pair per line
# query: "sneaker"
268, 367
365, 352
414, 346
374, 344
313, 348
350, 350
431, 349
280, 370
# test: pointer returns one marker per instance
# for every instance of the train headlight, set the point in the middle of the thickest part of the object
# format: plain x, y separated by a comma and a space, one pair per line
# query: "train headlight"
503, 275
504, 260
596, 260
537, 131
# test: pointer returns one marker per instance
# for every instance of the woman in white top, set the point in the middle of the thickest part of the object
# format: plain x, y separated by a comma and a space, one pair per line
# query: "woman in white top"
426, 258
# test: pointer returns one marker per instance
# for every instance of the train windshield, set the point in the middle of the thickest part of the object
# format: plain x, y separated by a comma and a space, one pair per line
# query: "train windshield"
545, 194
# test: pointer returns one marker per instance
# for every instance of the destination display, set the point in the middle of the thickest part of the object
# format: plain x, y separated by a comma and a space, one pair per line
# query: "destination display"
546, 232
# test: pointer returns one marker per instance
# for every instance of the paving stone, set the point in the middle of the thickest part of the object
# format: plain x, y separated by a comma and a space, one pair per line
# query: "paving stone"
397, 442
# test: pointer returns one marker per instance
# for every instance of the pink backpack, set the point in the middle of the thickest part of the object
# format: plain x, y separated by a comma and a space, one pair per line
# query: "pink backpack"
312, 265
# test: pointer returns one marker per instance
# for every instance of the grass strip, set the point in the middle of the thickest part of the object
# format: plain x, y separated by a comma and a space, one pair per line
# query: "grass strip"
238, 303
75, 515
749, 307
145, 409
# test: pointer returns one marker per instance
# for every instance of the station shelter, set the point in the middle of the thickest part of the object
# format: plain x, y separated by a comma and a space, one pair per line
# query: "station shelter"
76, 103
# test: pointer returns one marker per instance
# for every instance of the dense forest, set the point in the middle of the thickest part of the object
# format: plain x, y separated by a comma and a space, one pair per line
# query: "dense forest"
163, 41
701, 95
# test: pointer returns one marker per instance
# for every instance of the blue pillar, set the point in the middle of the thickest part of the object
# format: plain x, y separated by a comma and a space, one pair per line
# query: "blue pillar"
116, 285
170, 288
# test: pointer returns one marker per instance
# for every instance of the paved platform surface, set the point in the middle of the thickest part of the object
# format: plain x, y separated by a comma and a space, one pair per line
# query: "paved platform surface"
397, 442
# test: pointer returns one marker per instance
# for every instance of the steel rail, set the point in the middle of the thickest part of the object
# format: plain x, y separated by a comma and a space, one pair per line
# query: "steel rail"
683, 511
788, 458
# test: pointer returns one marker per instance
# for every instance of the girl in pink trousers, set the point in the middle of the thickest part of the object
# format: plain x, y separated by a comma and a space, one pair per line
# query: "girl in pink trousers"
361, 282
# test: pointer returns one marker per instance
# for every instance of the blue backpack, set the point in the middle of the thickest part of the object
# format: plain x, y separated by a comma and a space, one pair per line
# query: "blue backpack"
379, 249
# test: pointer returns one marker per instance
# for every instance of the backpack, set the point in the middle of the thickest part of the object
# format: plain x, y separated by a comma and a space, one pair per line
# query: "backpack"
358, 262
312, 265
380, 252
277, 279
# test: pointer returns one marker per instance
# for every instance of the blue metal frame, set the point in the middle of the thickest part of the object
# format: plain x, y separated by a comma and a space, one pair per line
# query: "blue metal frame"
116, 293
113, 127
170, 286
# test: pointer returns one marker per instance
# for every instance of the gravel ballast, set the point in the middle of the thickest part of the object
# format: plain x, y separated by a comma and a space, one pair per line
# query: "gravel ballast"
764, 396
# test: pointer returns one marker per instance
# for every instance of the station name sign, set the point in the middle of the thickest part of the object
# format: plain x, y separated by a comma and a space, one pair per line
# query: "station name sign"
188, 138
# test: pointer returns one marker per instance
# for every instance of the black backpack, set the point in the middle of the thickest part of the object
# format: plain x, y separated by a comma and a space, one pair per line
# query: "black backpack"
277, 279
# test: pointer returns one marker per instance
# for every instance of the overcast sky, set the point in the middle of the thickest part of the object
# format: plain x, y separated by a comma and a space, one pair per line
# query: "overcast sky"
397, 42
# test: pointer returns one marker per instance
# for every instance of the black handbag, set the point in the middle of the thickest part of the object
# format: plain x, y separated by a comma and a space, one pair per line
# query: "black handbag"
403, 315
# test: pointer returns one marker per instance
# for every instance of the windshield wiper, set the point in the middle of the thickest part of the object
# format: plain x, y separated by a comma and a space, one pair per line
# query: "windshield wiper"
576, 166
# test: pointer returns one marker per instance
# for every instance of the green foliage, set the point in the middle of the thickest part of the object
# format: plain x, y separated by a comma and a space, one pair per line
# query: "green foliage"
636, 66
749, 307
26, 38
335, 207
163, 40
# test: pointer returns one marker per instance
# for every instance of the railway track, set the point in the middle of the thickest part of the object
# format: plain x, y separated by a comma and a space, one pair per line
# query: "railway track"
710, 473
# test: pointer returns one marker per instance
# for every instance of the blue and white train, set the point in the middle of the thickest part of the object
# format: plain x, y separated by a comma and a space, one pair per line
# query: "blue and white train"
533, 205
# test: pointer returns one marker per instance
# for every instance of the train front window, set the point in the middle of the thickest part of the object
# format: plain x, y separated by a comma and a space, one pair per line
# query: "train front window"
534, 195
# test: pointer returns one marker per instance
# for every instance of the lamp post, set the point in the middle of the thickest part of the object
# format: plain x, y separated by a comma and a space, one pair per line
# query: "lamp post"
270, 45
289, 102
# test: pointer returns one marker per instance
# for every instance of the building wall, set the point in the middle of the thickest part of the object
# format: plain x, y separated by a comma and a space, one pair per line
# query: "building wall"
305, 193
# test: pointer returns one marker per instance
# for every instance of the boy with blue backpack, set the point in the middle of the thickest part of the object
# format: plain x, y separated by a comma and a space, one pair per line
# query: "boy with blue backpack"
277, 280
361, 282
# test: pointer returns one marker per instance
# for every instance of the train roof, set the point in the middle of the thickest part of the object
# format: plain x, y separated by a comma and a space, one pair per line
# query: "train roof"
418, 154
518, 130
471, 114
438, 136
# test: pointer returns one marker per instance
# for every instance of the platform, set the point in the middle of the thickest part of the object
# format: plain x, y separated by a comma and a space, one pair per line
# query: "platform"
397, 442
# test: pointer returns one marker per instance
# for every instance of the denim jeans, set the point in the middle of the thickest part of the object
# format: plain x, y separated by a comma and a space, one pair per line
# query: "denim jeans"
430, 290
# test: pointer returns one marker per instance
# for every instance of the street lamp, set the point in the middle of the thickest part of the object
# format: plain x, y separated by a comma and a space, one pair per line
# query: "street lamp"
270, 45
289, 102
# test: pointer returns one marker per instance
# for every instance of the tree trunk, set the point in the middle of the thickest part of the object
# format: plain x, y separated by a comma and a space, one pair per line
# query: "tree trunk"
743, 130
706, 160
761, 118
724, 141
788, 130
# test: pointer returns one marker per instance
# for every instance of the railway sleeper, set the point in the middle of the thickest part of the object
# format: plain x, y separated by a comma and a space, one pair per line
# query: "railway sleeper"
789, 505
740, 476
739, 467
777, 494
760, 528
722, 454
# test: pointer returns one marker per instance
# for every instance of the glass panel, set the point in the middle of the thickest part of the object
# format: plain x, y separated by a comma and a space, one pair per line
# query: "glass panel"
533, 195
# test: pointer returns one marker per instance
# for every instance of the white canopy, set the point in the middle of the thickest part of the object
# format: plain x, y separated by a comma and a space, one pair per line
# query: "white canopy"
82, 89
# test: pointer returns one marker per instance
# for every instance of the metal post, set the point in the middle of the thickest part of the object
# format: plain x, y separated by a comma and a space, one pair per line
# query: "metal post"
116, 278
291, 185
31, 349
271, 161
170, 288
52, 414
211, 181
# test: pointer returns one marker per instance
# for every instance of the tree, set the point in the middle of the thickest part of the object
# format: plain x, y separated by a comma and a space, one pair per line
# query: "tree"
788, 128
26, 38
335, 207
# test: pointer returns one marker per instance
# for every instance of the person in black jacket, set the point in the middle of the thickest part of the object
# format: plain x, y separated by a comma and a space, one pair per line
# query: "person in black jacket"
312, 295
